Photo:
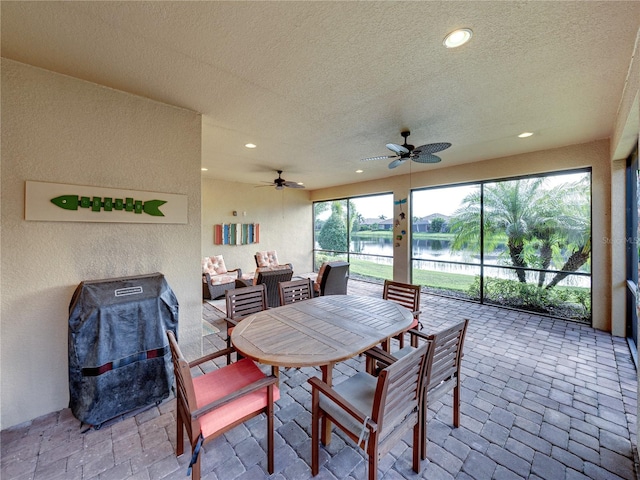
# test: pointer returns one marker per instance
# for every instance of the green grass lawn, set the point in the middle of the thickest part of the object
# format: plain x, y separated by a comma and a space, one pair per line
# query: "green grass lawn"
441, 280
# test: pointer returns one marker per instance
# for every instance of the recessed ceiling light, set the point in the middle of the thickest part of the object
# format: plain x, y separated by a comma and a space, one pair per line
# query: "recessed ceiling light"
300, 183
457, 38
525, 134
250, 145
359, 171
204, 169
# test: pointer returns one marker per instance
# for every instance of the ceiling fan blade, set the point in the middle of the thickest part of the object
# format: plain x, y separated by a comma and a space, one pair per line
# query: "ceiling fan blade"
431, 148
426, 158
381, 157
293, 185
397, 162
399, 149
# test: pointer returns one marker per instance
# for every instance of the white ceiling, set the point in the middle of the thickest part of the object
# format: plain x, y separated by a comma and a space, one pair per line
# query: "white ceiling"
320, 85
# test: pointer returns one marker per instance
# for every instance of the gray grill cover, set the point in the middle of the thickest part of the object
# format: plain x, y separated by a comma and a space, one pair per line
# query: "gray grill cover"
119, 356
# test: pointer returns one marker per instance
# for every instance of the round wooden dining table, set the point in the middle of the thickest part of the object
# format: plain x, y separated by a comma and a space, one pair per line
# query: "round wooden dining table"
319, 332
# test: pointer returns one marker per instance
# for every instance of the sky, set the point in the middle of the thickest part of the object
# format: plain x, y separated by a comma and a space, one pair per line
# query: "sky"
443, 200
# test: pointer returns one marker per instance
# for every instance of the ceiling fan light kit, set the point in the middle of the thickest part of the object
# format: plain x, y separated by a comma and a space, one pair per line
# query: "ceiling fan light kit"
404, 152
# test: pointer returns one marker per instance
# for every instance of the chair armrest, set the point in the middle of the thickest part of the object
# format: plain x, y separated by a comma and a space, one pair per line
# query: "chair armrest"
339, 400
252, 387
208, 277
239, 270
211, 356
241, 282
419, 334
380, 355
230, 322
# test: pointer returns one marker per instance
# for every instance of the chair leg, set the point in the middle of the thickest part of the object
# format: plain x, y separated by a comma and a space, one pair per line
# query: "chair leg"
270, 447
456, 404
423, 435
228, 346
315, 432
417, 430
179, 434
195, 469
373, 458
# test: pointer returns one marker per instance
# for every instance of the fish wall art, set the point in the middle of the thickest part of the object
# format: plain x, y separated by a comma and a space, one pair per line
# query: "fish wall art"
75, 203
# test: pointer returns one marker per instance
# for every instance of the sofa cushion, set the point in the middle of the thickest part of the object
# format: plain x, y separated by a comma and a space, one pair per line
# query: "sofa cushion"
222, 279
214, 265
267, 258
316, 284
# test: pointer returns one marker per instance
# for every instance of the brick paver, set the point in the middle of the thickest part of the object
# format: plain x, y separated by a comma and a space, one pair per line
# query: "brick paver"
541, 398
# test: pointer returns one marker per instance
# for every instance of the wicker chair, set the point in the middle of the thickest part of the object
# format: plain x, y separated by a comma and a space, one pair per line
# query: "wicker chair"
216, 279
270, 278
332, 279
269, 258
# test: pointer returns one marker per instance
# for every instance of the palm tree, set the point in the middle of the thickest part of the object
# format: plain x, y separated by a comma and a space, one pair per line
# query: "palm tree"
538, 224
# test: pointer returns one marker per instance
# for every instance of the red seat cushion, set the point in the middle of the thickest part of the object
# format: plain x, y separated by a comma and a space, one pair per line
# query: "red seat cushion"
226, 380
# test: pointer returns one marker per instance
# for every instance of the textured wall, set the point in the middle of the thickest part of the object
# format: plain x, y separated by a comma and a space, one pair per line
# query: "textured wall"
59, 129
285, 218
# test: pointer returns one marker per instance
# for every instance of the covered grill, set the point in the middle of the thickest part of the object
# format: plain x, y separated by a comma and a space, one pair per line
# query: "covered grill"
119, 356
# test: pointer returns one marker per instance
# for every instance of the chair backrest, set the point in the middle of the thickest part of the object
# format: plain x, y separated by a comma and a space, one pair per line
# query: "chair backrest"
399, 390
447, 356
185, 393
334, 278
405, 294
295, 290
214, 265
245, 301
270, 278
268, 258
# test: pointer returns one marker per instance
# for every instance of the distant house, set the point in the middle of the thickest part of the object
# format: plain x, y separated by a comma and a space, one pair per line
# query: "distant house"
422, 224
378, 223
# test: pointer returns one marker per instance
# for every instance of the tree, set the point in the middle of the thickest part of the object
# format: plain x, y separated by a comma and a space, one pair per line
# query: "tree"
436, 225
538, 224
333, 234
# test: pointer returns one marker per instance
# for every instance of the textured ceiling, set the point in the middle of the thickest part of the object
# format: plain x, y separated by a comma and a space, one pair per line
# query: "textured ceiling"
320, 85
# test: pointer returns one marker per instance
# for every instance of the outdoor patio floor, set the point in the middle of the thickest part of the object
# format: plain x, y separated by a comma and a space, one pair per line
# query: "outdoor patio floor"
541, 399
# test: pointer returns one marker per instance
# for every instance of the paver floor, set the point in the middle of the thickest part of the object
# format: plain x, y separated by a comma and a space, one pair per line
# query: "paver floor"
541, 399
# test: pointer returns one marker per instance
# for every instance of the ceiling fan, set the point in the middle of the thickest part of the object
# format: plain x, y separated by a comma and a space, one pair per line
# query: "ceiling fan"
280, 182
421, 154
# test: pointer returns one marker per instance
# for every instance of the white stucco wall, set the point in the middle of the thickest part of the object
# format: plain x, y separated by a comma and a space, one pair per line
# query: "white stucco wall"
59, 129
285, 218
594, 155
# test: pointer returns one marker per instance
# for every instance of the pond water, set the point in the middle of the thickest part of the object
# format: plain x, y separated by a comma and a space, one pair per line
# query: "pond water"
440, 251
425, 249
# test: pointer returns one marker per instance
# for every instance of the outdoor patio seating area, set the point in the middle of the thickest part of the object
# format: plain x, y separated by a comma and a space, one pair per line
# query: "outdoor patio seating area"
541, 399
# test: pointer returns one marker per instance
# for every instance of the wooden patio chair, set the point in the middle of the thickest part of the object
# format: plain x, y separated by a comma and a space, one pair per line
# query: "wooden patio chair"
211, 404
295, 291
374, 412
448, 347
407, 295
240, 303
